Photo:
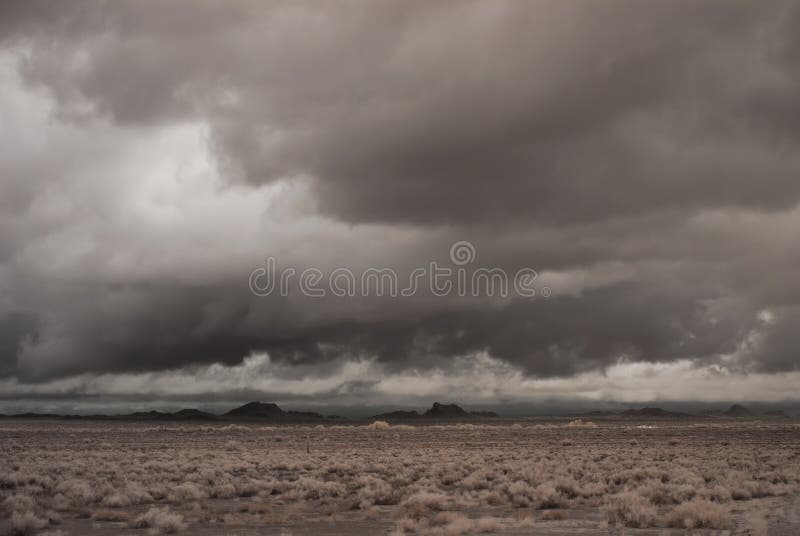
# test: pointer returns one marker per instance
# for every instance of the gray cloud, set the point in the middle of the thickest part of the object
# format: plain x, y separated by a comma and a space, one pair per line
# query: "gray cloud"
515, 111
635, 154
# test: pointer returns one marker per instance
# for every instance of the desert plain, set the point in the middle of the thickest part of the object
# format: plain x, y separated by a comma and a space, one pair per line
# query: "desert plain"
546, 476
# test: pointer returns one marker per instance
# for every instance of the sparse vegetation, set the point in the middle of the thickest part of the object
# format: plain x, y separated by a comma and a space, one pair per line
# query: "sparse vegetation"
436, 478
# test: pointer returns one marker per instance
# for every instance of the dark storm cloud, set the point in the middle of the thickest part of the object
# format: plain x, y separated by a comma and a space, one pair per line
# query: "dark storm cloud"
660, 136
547, 111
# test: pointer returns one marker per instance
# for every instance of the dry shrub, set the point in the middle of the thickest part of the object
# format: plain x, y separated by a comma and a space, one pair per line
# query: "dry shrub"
132, 494
78, 492
24, 523
488, 524
372, 490
313, 489
404, 525
580, 423
554, 515
224, 491
421, 503
379, 425
18, 502
699, 513
631, 510
547, 496
454, 524
188, 491
160, 519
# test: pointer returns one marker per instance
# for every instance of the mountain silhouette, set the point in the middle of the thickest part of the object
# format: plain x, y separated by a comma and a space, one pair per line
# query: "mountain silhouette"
260, 410
446, 411
654, 413
737, 410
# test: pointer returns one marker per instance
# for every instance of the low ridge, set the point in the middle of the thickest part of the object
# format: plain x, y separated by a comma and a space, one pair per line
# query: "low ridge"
737, 410
261, 410
446, 411
654, 413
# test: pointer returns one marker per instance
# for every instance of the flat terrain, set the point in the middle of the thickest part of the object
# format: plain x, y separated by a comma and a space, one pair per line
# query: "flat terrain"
542, 476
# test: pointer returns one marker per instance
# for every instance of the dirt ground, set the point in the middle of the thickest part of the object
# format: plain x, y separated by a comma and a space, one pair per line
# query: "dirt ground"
537, 476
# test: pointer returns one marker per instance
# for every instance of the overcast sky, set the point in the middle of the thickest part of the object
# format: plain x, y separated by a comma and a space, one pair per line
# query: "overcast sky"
642, 157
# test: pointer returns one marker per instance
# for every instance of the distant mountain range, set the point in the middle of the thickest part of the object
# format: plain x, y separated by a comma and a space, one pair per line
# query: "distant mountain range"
736, 411
654, 413
437, 411
262, 410
252, 411
268, 411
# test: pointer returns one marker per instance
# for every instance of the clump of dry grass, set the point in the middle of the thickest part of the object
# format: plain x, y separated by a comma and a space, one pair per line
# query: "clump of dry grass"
131, 494
699, 513
453, 523
160, 519
77, 491
488, 524
580, 423
421, 503
379, 425
373, 490
26, 522
631, 510
441, 524
547, 496
188, 491
553, 515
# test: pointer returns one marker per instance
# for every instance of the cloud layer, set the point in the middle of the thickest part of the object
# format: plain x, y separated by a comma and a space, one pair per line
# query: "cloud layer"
641, 157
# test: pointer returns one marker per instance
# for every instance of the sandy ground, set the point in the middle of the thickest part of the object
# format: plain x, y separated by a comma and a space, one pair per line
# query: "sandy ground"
544, 476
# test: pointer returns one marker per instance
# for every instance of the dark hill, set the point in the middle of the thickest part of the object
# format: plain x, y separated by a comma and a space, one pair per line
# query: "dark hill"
397, 415
192, 414
446, 411
309, 415
257, 410
437, 411
146, 415
269, 410
654, 413
181, 415
737, 410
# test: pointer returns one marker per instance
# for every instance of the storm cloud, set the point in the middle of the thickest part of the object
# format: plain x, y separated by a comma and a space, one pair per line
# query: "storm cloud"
641, 157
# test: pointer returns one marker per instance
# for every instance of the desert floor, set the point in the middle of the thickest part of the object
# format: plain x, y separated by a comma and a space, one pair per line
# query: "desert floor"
540, 476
